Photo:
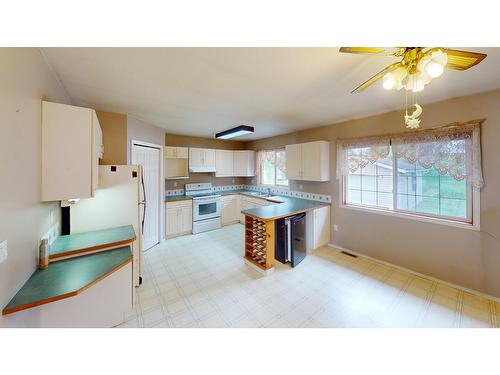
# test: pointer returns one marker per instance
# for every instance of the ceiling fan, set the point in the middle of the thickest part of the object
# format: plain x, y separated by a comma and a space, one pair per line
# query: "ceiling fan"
417, 67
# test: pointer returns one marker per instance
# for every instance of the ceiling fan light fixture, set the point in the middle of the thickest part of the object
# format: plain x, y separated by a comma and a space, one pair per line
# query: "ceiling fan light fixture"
389, 82
434, 69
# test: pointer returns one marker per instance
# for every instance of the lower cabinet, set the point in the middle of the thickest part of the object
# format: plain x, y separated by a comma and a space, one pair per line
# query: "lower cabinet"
318, 227
178, 218
230, 209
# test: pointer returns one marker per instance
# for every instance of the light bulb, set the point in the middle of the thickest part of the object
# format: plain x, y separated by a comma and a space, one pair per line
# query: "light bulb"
389, 82
434, 69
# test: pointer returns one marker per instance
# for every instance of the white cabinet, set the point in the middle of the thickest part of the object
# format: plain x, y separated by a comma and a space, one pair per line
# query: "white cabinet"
230, 209
308, 161
176, 162
172, 152
72, 145
201, 160
224, 163
178, 218
318, 227
244, 163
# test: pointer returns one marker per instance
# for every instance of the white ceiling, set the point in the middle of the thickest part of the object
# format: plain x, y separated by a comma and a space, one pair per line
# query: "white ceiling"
201, 91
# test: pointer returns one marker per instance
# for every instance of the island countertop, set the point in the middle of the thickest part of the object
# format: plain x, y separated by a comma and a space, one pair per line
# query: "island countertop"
67, 278
83, 242
289, 206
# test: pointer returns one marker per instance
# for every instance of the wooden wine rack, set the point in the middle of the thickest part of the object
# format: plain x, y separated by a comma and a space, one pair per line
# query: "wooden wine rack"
259, 242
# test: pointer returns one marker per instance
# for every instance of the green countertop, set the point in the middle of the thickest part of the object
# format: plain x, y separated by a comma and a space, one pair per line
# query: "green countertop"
290, 206
88, 241
67, 278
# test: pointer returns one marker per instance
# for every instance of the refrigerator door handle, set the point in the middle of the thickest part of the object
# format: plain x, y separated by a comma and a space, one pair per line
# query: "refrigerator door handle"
143, 202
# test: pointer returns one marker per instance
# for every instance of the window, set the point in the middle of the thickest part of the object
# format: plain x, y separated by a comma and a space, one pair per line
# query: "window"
425, 173
272, 168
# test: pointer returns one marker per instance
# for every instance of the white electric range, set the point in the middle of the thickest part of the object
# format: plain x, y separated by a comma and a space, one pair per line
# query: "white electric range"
206, 207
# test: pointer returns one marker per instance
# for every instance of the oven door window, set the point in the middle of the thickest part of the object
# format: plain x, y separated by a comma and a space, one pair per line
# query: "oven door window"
207, 208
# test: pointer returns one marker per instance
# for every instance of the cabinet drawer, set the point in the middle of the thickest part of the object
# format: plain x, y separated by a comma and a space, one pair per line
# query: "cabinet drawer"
183, 203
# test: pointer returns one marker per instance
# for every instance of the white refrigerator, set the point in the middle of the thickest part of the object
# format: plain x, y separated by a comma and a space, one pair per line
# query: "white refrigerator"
118, 201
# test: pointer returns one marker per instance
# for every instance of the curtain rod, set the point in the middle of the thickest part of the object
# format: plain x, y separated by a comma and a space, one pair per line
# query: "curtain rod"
456, 124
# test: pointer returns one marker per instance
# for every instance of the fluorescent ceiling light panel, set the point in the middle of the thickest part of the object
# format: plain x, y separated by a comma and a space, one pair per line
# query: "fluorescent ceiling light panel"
235, 132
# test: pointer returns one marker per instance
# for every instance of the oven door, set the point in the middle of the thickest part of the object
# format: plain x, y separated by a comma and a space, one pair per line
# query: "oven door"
206, 208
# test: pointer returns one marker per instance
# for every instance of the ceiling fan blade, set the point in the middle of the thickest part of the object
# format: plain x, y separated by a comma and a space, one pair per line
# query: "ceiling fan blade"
461, 60
363, 50
376, 77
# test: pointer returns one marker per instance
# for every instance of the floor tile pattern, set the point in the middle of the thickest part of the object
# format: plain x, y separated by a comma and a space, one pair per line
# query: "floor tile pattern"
201, 281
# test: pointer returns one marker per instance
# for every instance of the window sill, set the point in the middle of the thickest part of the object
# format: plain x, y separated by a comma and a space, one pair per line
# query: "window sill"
409, 216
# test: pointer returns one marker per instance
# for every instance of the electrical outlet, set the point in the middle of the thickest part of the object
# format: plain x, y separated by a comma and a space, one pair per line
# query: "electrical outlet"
3, 251
301, 187
232, 181
335, 228
175, 184
52, 216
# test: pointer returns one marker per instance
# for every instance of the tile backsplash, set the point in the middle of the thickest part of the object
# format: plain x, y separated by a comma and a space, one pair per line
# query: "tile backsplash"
277, 191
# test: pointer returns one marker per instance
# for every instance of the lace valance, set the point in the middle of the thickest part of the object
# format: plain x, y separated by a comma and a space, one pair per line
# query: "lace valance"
452, 150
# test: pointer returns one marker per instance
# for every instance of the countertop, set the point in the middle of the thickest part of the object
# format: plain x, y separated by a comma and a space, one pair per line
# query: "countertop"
67, 278
89, 241
290, 206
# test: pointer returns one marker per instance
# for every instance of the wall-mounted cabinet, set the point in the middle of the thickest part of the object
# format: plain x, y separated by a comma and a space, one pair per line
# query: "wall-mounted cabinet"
239, 163
201, 160
71, 148
178, 218
224, 163
176, 162
244, 163
308, 161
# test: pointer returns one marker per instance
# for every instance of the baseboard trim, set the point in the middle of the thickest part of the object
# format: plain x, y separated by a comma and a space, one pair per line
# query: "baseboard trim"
341, 248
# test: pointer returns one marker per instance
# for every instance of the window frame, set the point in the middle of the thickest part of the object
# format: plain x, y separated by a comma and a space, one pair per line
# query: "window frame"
472, 221
287, 186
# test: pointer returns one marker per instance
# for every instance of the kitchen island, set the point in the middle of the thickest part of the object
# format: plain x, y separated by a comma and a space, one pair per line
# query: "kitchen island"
260, 226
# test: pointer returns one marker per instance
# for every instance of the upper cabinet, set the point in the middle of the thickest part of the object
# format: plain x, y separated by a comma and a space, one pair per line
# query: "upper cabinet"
176, 162
71, 148
244, 163
235, 163
308, 161
201, 160
224, 163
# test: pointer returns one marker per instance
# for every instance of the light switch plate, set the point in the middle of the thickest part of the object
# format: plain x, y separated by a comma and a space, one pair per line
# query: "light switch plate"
3, 251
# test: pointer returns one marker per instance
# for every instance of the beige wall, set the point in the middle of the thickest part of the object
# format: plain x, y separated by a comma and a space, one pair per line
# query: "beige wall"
114, 132
186, 141
138, 130
26, 79
460, 256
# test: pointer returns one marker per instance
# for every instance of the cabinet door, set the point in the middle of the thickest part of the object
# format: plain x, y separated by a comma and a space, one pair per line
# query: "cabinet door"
223, 163
209, 158
170, 152
186, 218
171, 221
321, 226
196, 157
182, 152
244, 163
68, 153
311, 161
293, 162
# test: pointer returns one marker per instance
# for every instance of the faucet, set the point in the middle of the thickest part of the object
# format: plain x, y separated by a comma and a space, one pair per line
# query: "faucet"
269, 191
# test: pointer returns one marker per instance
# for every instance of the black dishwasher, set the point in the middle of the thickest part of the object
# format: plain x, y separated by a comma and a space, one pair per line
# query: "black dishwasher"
290, 243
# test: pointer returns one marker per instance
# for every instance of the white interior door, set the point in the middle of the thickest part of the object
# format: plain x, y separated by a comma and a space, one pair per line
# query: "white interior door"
149, 159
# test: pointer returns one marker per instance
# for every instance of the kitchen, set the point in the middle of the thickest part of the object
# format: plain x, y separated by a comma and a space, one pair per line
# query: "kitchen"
210, 225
